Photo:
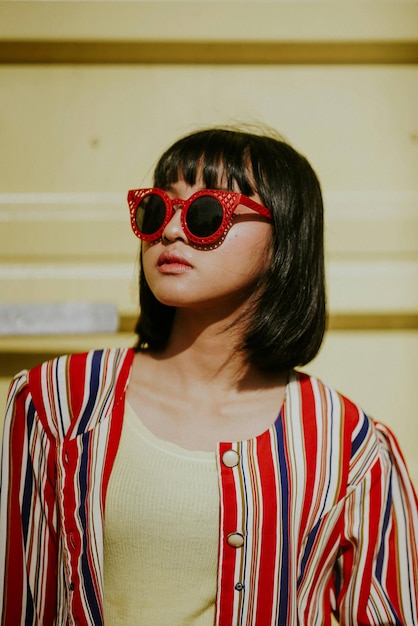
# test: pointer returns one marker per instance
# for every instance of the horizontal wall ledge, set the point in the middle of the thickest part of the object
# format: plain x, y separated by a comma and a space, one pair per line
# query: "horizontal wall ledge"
208, 52
62, 344
373, 321
23, 352
26, 344
337, 321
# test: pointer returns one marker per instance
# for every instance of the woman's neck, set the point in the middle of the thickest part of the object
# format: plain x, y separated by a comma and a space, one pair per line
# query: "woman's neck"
201, 389
207, 350
209, 343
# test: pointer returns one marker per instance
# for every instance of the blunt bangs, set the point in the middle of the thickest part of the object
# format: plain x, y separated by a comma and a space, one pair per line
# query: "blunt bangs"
285, 320
219, 157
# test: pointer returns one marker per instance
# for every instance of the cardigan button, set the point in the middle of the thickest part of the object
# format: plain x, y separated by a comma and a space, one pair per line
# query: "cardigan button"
230, 458
235, 540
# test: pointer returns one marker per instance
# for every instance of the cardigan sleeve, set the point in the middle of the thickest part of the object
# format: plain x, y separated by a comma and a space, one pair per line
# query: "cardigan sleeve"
377, 570
28, 514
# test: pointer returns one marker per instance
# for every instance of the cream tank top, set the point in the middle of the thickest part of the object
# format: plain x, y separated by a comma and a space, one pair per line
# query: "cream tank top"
161, 532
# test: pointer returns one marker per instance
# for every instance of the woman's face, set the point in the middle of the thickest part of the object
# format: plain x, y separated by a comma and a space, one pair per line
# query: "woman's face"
182, 275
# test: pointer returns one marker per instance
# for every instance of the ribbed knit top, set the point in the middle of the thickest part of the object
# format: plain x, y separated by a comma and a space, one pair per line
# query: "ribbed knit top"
161, 532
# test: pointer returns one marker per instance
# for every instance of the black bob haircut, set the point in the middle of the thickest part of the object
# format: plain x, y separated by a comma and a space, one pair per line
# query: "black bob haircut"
285, 321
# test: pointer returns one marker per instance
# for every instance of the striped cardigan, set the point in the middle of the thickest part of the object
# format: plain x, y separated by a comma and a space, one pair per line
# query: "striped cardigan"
317, 514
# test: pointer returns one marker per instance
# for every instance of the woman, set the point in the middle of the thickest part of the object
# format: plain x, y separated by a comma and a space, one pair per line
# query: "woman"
118, 501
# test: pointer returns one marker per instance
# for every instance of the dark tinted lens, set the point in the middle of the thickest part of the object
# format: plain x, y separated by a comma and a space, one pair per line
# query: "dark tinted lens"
204, 216
150, 214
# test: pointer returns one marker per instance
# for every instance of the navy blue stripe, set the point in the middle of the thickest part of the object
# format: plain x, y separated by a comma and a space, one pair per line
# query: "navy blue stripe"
29, 477
381, 554
283, 608
308, 549
30, 611
360, 437
94, 387
85, 568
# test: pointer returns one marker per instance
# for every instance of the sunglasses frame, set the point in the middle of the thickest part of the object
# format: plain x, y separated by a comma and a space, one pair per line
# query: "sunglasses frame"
229, 201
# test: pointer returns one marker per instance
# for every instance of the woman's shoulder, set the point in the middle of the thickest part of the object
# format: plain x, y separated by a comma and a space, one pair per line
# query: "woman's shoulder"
364, 439
335, 413
78, 369
321, 397
59, 389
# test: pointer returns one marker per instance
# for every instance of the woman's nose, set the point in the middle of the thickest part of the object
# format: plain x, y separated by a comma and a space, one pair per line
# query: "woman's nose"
173, 230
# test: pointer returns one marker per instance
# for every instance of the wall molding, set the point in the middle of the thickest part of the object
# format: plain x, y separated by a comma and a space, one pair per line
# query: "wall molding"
373, 322
208, 32
339, 322
208, 52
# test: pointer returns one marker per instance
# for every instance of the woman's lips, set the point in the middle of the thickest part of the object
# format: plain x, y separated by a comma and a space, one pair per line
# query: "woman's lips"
172, 263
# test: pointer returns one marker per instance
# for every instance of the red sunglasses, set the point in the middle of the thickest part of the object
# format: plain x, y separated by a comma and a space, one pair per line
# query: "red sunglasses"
205, 217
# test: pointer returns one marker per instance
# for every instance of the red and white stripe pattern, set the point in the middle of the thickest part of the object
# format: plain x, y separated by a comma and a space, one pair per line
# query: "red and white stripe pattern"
328, 517
61, 434
317, 514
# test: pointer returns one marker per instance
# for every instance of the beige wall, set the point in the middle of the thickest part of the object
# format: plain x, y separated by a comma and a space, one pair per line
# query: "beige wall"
76, 135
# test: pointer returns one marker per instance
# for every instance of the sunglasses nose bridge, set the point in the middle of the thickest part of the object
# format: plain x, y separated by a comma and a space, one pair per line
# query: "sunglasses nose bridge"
176, 204
173, 228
